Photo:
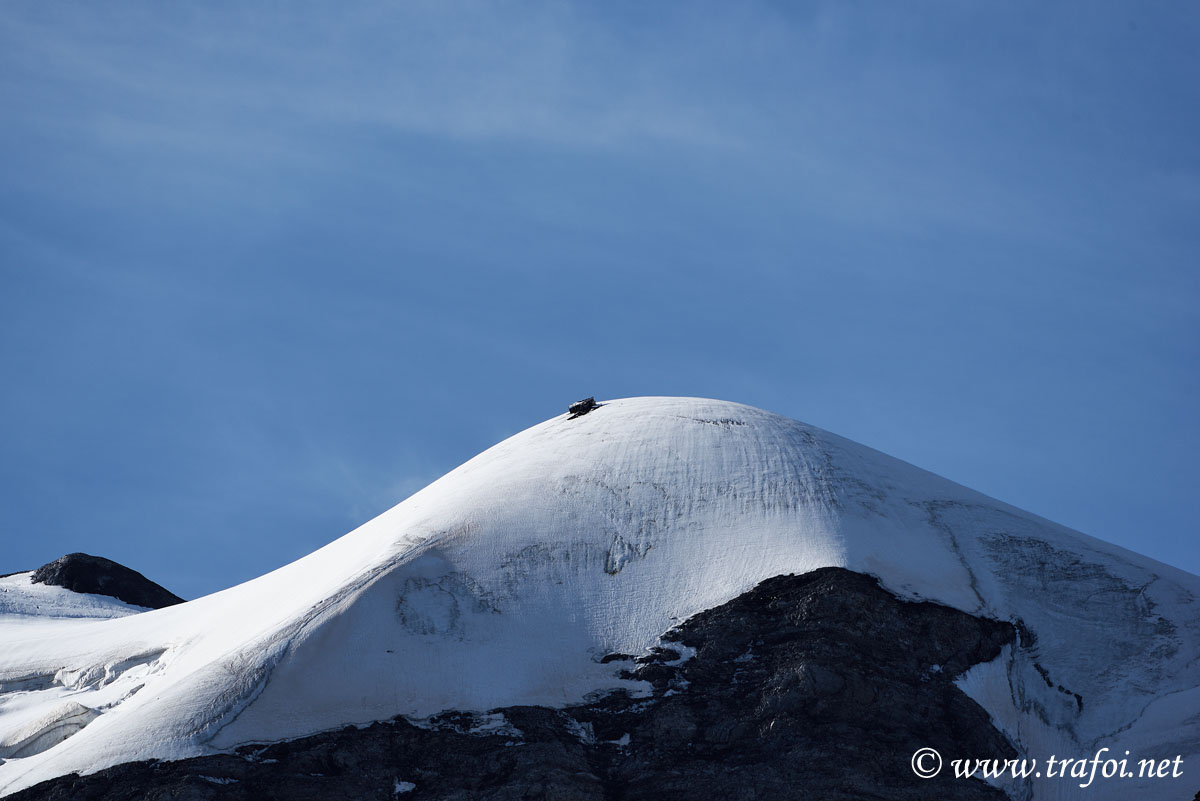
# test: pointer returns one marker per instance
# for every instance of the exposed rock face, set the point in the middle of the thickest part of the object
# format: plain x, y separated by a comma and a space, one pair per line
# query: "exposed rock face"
95, 574
814, 686
582, 407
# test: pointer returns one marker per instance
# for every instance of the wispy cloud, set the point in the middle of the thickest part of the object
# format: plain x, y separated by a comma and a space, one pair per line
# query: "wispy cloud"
466, 70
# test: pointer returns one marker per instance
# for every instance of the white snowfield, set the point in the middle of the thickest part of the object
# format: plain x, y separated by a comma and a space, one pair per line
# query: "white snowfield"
22, 601
506, 580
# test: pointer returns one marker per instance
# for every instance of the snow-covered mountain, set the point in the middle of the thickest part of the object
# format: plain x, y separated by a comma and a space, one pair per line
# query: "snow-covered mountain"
507, 581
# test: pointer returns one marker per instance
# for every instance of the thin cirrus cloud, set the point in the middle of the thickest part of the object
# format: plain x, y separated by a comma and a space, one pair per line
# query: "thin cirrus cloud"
498, 78
858, 121
857, 134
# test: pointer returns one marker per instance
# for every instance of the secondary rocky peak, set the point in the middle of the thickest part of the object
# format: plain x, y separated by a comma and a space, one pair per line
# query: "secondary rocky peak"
81, 572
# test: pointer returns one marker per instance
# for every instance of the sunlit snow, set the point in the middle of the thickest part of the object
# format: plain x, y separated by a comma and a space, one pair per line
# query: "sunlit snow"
508, 579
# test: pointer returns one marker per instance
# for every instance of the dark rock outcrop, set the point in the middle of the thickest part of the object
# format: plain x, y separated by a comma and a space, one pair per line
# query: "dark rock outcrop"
816, 686
582, 407
95, 574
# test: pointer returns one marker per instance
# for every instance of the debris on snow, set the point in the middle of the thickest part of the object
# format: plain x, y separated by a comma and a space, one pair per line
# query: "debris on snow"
580, 408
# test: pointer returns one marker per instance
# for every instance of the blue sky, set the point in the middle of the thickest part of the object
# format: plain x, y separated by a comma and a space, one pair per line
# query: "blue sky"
269, 268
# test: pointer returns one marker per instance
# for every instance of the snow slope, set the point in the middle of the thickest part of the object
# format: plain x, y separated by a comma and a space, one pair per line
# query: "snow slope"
22, 601
503, 583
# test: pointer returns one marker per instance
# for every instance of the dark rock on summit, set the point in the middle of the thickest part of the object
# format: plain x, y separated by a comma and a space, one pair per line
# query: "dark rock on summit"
816, 686
80, 572
580, 408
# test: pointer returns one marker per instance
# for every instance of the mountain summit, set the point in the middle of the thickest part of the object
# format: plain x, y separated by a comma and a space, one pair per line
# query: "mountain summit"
525, 577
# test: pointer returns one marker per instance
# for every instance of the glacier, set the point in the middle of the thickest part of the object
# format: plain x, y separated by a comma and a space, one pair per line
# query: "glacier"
504, 583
